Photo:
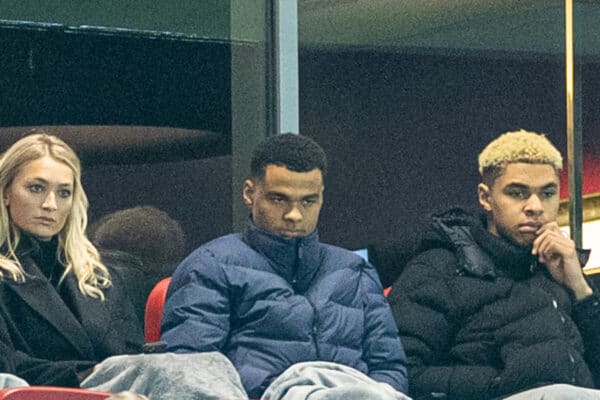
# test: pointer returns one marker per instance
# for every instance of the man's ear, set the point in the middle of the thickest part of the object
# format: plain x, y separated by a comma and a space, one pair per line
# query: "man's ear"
248, 192
484, 195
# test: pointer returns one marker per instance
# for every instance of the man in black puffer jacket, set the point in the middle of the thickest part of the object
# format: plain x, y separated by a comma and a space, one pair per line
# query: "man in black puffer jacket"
496, 305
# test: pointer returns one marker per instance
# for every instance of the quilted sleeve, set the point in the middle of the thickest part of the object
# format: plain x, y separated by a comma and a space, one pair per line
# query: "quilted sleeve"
196, 313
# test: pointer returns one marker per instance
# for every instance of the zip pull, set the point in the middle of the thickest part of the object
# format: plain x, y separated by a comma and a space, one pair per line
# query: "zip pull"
534, 265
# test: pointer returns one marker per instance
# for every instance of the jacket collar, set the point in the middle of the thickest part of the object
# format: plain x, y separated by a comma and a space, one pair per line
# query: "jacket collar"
43, 253
295, 259
481, 253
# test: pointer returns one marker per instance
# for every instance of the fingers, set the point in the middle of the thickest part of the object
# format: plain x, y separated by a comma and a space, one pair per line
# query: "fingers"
557, 252
551, 242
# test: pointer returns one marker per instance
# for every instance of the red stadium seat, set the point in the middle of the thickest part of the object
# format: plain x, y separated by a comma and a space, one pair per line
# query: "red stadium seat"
154, 311
50, 393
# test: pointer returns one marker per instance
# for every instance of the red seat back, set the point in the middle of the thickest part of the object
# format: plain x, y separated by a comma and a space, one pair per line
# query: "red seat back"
154, 311
50, 393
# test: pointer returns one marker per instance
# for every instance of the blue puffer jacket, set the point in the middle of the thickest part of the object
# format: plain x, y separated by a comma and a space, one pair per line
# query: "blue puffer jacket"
268, 302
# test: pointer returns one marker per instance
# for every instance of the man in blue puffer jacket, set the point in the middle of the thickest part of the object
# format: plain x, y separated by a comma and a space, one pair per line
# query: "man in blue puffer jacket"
275, 297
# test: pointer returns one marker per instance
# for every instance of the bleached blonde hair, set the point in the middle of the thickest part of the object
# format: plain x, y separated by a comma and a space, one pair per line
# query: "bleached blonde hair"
514, 147
75, 251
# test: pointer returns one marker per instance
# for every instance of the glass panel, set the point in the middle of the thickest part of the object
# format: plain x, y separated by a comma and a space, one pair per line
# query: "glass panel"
587, 49
155, 98
53, 77
204, 19
404, 95
154, 74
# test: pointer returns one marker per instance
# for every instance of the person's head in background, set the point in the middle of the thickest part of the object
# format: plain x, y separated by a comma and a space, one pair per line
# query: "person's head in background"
285, 190
42, 197
144, 231
519, 186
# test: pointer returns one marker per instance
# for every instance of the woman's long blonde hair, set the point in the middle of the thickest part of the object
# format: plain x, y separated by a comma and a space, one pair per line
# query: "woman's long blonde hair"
75, 251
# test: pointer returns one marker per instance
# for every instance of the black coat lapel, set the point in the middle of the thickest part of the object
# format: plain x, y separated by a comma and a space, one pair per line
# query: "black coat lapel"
43, 298
93, 313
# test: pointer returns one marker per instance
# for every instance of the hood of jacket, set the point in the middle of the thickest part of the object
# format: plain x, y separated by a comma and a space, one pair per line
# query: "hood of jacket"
479, 252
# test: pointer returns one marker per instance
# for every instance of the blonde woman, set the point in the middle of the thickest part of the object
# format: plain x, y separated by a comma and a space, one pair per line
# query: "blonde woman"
61, 311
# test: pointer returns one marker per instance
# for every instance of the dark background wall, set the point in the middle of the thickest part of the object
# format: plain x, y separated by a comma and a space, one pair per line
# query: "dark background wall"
402, 129
402, 132
196, 193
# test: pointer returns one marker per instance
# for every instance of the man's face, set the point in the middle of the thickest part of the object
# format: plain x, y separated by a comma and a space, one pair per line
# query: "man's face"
285, 202
521, 200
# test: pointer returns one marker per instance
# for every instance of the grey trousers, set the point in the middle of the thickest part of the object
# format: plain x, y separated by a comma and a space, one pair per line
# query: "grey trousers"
319, 380
169, 376
211, 376
9, 380
557, 392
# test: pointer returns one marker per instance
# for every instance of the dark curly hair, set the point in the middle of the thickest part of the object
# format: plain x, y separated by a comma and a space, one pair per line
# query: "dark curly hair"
295, 152
143, 231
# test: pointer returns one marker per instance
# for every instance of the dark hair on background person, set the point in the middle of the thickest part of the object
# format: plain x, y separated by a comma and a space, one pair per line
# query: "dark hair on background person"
143, 231
144, 245
295, 152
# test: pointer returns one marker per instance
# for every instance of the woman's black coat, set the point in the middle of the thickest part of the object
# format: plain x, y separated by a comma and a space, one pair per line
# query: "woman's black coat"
47, 335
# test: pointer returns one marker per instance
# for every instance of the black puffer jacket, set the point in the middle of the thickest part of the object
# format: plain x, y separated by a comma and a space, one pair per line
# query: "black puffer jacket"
479, 318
